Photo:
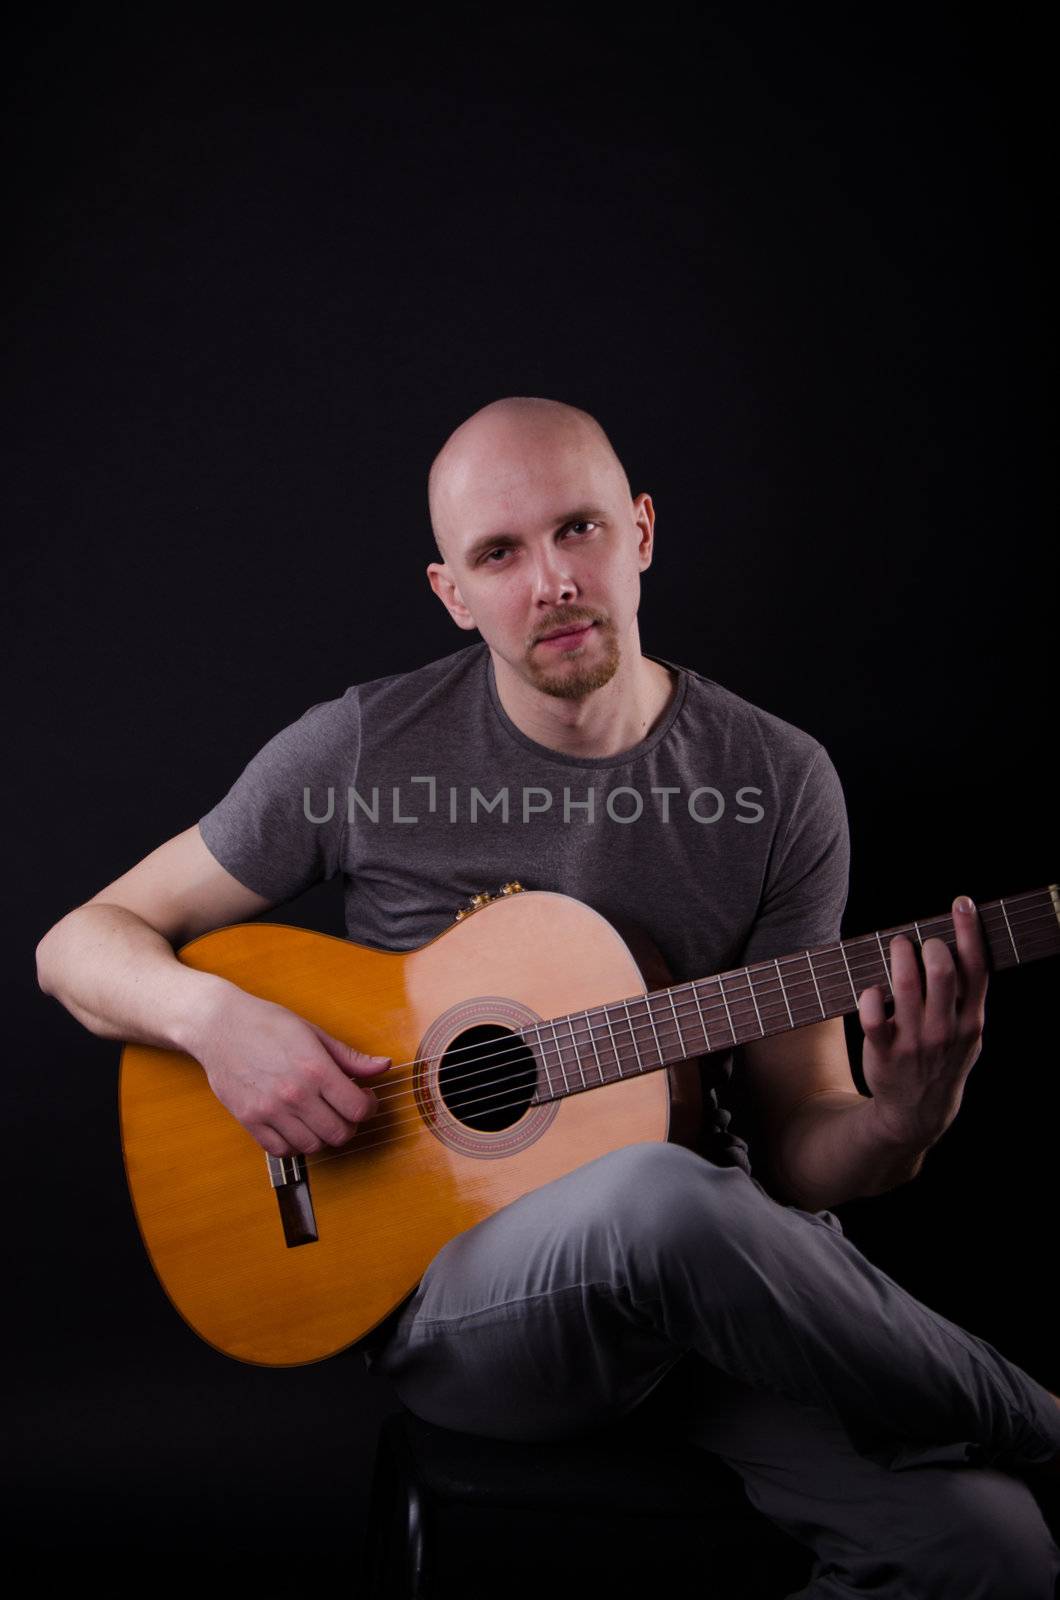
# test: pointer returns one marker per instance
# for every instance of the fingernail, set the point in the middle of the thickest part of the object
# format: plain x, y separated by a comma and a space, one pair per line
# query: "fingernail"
963, 903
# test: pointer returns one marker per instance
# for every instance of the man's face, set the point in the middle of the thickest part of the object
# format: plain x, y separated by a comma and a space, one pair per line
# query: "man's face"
541, 538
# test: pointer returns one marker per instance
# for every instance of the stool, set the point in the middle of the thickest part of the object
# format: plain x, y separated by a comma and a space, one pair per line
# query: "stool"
457, 1514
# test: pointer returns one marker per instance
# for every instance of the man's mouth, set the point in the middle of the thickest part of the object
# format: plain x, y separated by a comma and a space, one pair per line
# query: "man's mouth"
568, 636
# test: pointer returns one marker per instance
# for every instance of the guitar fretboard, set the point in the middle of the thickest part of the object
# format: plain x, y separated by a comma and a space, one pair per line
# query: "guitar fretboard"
650, 1031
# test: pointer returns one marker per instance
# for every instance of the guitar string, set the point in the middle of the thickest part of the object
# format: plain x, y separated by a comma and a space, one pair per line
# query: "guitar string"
767, 1009
376, 1124
369, 1129
694, 1013
373, 1127
754, 989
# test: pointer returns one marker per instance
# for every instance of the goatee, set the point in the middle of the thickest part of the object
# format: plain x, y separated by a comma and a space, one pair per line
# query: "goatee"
570, 680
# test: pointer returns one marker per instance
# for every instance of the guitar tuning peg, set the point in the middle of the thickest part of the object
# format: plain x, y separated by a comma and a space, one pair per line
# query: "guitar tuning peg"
476, 902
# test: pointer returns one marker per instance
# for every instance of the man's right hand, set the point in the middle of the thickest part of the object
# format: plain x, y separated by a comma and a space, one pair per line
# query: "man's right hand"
288, 1083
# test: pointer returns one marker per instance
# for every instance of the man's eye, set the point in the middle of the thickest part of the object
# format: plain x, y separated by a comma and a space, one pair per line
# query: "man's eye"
487, 560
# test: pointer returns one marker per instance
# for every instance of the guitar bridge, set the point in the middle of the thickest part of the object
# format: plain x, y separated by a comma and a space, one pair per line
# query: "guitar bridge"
289, 1177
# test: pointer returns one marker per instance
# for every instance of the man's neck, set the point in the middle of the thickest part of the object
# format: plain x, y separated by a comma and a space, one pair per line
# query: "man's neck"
605, 722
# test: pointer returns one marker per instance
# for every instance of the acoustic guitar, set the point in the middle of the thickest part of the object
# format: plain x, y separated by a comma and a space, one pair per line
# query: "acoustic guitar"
497, 1030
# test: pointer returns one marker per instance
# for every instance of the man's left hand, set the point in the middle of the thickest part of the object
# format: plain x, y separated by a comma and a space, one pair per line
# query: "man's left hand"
915, 1063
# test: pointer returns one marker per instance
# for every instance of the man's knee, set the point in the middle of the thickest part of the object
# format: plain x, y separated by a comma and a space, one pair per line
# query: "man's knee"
654, 1170
988, 1541
663, 1193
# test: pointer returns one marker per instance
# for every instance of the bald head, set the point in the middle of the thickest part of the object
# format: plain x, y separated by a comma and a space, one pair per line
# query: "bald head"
503, 445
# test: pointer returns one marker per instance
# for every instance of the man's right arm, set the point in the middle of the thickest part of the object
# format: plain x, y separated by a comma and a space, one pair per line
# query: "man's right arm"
112, 963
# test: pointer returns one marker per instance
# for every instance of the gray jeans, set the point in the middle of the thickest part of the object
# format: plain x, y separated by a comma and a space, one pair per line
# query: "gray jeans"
865, 1424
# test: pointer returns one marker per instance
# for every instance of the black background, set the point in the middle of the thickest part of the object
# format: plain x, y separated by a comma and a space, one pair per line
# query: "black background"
259, 266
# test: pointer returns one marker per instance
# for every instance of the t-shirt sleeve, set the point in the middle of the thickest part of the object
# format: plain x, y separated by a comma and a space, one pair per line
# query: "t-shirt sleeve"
281, 826
807, 880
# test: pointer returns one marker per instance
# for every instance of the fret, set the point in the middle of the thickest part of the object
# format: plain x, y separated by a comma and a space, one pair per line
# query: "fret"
846, 963
919, 935
562, 1063
754, 999
725, 1003
783, 991
1008, 929
886, 970
614, 1041
574, 1040
543, 1056
651, 1019
592, 1041
699, 1009
816, 990
633, 1036
677, 1023
544, 1060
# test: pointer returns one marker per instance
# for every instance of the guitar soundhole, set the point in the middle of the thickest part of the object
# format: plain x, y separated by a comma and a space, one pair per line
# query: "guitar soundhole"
487, 1077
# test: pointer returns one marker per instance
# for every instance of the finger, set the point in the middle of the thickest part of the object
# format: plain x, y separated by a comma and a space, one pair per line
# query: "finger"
352, 1102
875, 1023
940, 1004
350, 1059
323, 1103
287, 1135
973, 968
351, 1099
907, 990
334, 1123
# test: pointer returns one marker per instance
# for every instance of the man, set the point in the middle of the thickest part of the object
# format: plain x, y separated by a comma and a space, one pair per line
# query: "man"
557, 752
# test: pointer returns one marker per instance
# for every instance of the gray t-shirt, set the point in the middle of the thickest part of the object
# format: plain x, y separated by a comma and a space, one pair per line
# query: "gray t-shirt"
723, 834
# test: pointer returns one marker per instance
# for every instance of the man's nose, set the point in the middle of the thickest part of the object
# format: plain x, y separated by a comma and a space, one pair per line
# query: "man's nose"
553, 580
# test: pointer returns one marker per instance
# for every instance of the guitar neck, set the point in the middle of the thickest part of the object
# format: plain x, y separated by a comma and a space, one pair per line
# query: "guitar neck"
650, 1031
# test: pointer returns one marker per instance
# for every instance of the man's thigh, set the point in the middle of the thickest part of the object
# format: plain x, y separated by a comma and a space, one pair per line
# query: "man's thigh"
521, 1327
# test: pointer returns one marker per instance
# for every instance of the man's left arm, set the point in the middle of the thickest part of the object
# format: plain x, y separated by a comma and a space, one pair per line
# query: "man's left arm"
825, 1142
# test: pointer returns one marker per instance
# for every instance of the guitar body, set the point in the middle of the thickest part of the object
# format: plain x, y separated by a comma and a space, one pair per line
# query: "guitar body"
415, 1174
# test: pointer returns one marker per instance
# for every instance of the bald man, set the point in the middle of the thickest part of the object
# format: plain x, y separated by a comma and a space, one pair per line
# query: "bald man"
661, 1278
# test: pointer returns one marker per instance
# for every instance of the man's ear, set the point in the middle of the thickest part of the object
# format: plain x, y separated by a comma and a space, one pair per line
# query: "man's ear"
645, 523
444, 586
